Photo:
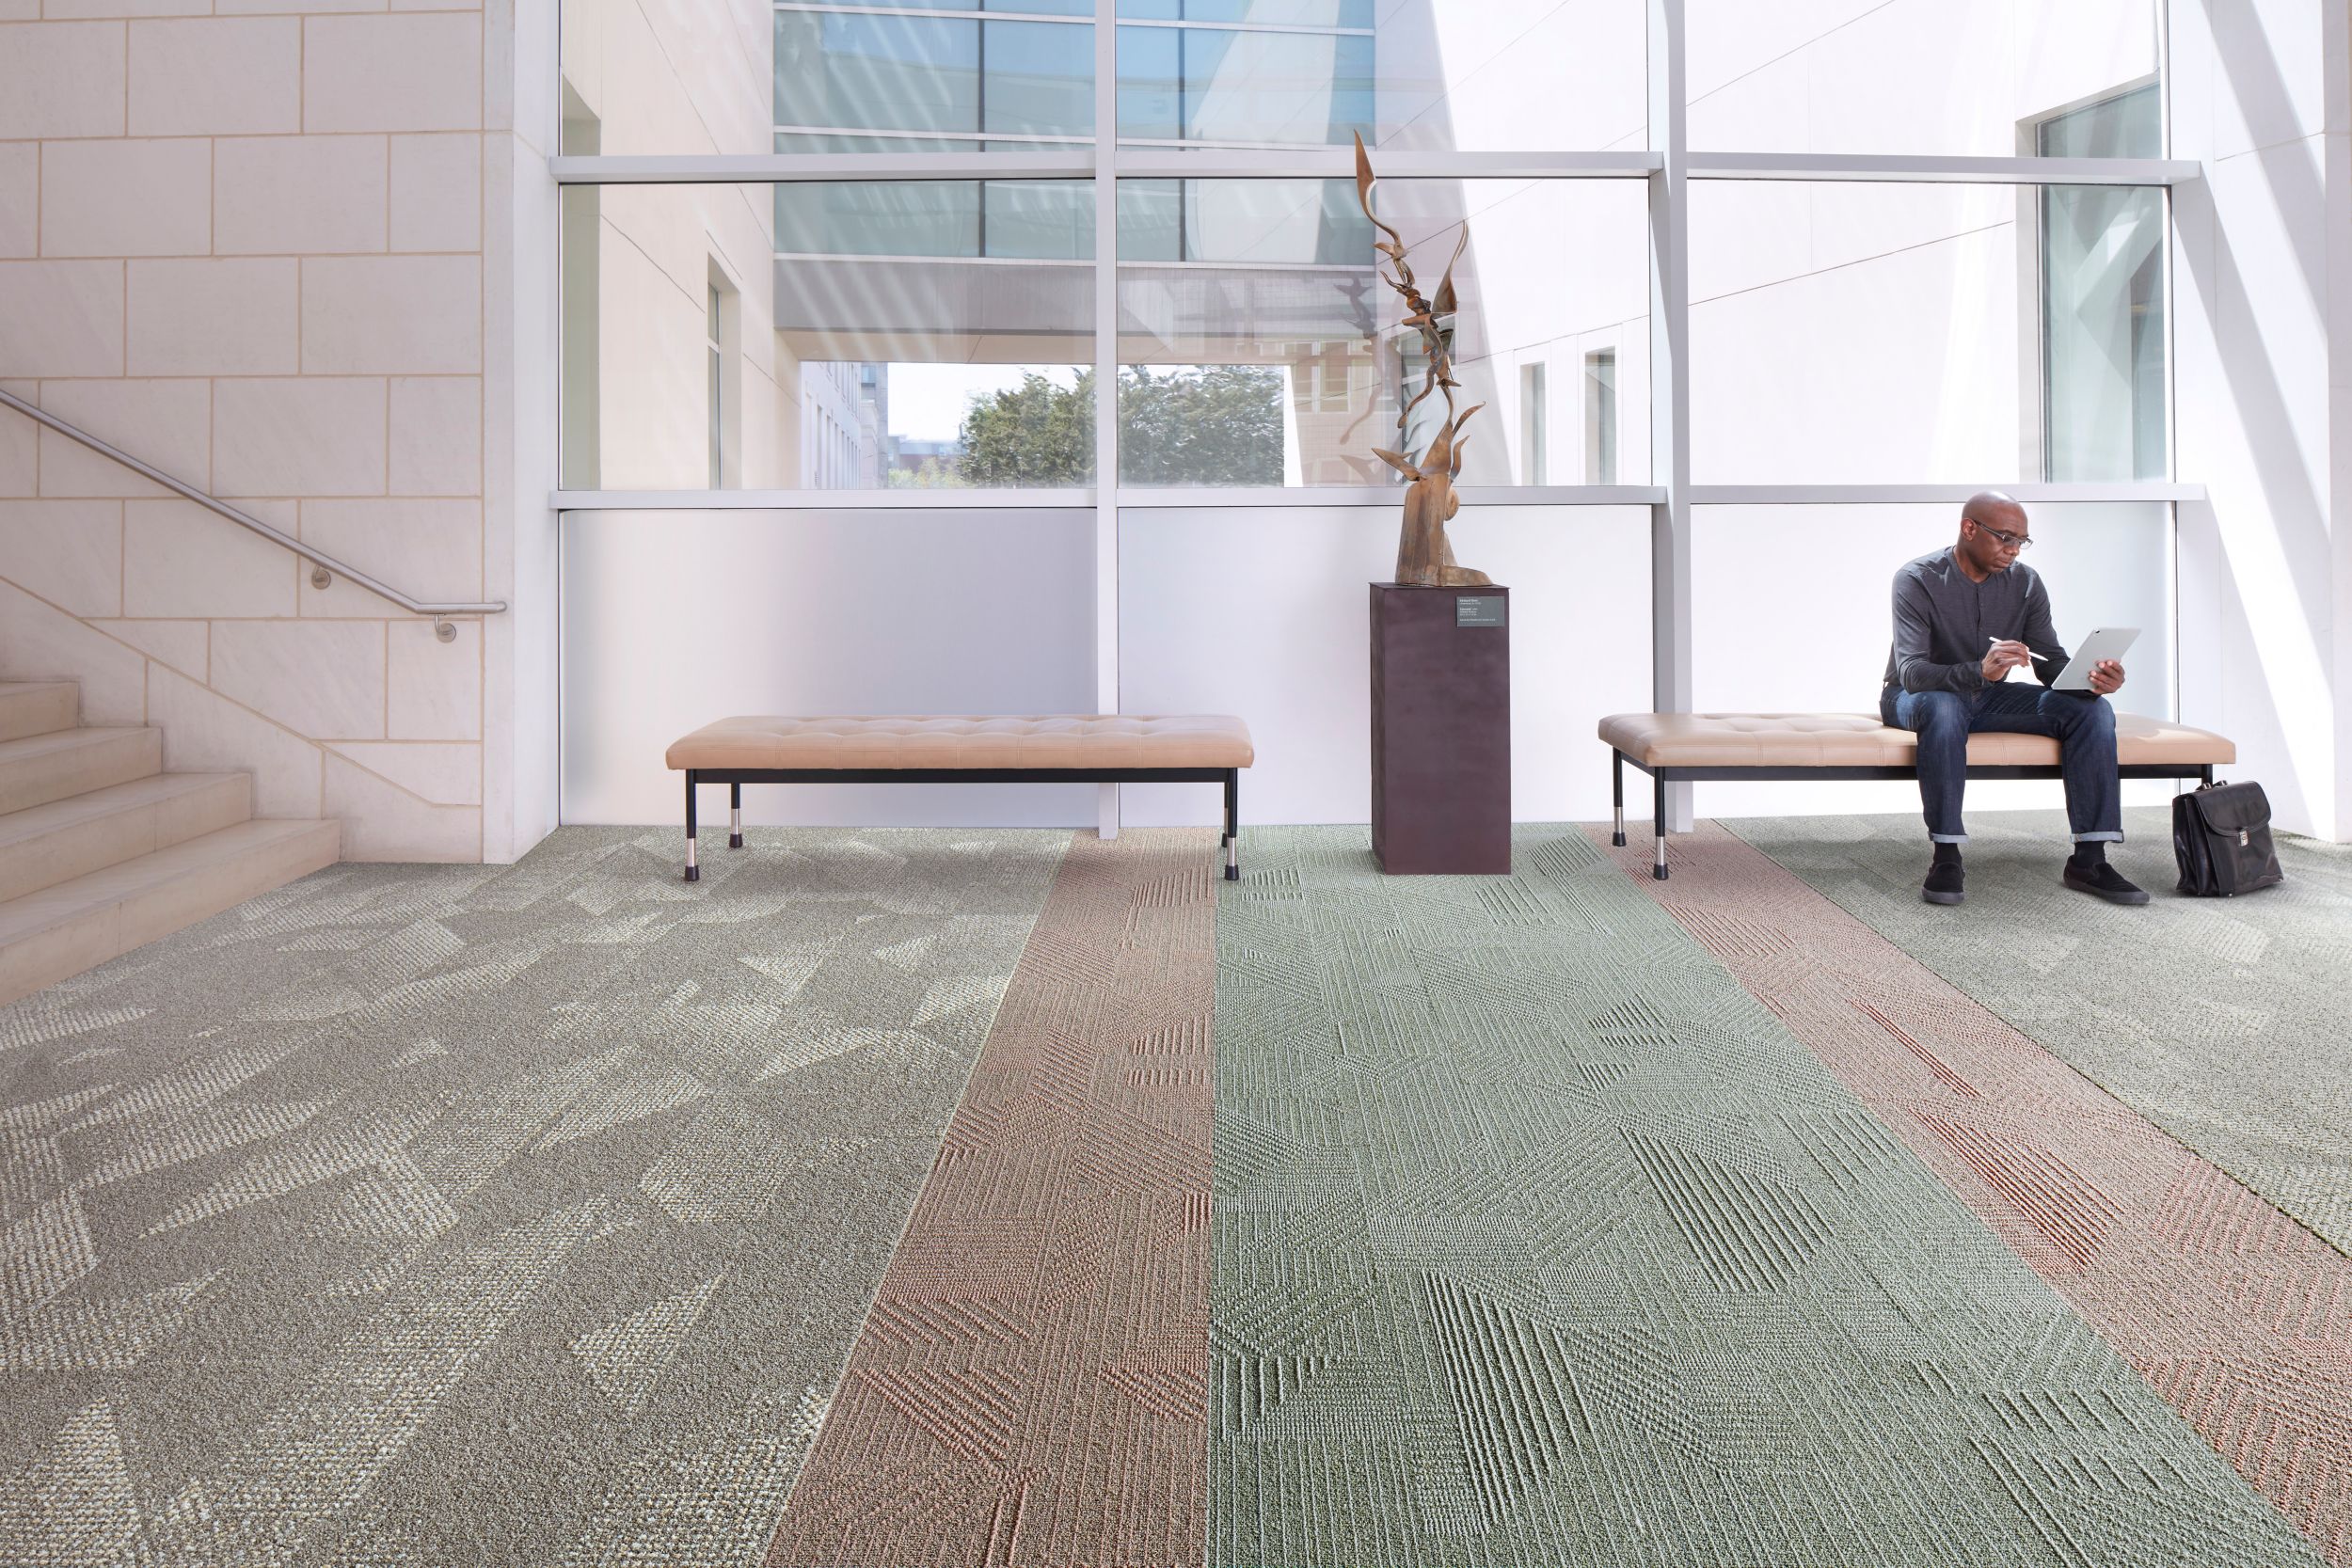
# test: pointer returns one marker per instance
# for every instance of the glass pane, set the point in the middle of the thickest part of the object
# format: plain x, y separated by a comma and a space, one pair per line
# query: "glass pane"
1758, 571
2102, 333
2103, 300
1579, 582
919, 335
1429, 74
2128, 125
1258, 345
934, 82
990, 612
1845, 333
1955, 77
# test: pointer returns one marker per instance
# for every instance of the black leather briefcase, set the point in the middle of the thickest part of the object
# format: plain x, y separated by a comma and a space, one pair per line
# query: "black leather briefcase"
2221, 833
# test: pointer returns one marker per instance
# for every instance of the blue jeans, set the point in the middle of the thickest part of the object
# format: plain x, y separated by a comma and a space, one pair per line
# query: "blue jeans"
2082, 724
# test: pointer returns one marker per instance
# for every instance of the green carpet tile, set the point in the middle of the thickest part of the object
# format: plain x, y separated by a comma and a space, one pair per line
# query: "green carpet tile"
419, 1215
2226, 1022
1536, 1240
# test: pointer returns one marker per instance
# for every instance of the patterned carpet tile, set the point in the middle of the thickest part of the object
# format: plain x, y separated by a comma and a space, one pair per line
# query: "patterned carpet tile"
1031, 1384
1538, 1238
2220, 1020
2239, 1317
485, 1216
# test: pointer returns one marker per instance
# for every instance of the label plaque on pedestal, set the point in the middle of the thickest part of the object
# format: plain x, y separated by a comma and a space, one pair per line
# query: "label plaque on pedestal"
1441, 730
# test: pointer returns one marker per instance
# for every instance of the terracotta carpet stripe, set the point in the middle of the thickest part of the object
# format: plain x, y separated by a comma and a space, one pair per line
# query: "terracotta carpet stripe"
2239, 1317
1031, 1384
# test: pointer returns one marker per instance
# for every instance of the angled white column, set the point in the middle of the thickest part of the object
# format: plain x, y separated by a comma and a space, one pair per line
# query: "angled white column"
1670, 383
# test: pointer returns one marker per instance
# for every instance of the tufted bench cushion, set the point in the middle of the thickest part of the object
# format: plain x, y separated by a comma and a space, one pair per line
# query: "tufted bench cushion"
1859, 740
923, 741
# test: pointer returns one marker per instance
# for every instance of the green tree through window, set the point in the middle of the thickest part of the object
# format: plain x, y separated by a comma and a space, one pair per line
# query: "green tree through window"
1206, 424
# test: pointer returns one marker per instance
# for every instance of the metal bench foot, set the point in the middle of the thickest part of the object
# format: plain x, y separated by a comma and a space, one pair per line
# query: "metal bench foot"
735, 819
1230, 839
1658, 786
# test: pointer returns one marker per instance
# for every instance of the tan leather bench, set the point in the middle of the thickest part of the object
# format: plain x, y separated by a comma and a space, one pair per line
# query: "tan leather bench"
1677, 747
1087, 748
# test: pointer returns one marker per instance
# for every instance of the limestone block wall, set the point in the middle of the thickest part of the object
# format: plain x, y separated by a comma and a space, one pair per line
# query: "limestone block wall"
244, 239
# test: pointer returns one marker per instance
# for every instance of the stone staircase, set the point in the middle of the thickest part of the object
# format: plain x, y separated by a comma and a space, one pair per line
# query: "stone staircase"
101, 850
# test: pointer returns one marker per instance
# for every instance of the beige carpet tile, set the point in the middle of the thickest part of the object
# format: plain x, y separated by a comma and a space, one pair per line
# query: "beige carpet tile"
1030, 1386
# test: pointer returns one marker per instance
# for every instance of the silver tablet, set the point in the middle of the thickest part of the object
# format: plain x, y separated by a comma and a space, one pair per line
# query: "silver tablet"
2106, 643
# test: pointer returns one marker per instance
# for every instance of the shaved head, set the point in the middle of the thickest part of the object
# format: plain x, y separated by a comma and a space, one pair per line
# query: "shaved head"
1992, 508
1997, 517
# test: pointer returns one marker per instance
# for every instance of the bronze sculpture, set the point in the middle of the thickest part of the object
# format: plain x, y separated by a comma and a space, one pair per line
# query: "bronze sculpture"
1424, 558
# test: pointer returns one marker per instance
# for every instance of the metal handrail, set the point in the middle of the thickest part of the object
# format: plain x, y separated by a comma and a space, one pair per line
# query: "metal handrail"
317, 557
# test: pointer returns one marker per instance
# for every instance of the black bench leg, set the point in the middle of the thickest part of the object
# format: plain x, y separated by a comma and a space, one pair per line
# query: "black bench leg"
694, 871
1232, 825
1617, 784
734, 820
1658, 870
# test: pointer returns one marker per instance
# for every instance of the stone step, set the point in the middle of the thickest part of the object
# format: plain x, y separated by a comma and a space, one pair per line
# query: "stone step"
37, 707
42, 846
77, 925
44, 768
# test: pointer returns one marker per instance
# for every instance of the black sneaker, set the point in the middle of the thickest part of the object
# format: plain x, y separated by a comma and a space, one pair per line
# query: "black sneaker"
1943, 886
2103, 881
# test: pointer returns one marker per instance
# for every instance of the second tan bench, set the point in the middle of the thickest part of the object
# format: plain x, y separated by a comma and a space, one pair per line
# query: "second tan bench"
1677, 747
1070, 748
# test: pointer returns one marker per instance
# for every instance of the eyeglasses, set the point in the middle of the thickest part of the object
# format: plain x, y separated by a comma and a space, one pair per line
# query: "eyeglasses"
2009, 541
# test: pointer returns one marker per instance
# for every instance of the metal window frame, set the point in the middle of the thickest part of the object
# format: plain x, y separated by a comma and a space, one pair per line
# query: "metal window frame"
1667, 167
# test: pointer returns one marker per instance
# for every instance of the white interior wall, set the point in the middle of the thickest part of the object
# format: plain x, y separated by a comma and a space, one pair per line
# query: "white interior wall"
2263, 296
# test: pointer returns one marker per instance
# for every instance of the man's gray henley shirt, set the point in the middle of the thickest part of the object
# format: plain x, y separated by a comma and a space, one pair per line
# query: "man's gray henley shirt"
1944, 623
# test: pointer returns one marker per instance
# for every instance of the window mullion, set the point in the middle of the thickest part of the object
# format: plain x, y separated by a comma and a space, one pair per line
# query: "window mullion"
1107, 696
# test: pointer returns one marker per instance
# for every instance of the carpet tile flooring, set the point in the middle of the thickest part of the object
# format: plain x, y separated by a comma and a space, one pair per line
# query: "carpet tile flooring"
426, 1216
2220, 1020
2238, 1316
1538, 1239
1031, 1385
1013, 1199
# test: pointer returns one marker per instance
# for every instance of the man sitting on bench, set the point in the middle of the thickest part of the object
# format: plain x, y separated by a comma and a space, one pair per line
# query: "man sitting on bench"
1965, 617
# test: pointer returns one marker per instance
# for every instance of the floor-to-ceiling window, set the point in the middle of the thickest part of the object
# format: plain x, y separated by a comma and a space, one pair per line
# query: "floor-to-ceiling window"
1083, 287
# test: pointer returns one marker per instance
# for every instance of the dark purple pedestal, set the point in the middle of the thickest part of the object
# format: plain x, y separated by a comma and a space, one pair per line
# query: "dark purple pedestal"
1440, 730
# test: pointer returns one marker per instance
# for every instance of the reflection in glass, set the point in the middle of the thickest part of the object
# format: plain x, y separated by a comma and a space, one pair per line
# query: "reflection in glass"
1259, 298
1406, 73
918, 80
1859, 333
2102, 299
886, 337
1025, 219
1600, 416
1534, 442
